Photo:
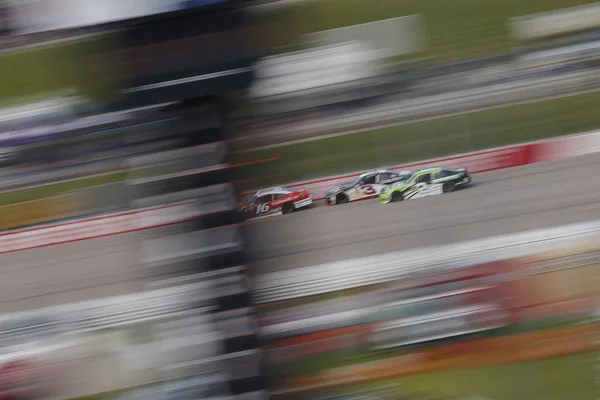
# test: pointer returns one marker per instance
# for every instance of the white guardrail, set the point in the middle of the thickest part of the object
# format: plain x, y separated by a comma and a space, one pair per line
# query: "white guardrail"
358, 272
110, 312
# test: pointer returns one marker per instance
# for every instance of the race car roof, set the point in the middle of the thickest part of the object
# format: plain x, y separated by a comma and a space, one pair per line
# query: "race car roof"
431, 169
383, 171
272, 191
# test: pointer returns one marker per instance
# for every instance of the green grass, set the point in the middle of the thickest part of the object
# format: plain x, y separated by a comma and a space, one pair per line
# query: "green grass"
77, 64
454, 29
55, 189
432, 138
559, 378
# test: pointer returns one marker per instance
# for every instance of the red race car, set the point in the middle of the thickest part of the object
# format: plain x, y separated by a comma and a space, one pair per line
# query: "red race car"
275, 201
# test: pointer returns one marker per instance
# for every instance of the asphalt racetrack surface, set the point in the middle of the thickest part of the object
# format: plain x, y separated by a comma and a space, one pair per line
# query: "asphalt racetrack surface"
77, 271
498, 202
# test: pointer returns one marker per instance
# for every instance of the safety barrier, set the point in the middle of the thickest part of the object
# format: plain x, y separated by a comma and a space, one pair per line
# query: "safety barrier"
110, 312
96, 227
331, 277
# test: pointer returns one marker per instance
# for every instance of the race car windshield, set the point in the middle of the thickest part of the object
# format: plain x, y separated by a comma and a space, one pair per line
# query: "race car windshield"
410, 178
356, 181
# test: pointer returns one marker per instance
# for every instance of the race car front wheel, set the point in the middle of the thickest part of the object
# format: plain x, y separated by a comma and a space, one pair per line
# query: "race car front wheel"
448, 187
397, 196
341, 198
288, 208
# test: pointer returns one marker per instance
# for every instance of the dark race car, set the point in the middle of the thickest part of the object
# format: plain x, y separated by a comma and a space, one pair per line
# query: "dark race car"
365, 186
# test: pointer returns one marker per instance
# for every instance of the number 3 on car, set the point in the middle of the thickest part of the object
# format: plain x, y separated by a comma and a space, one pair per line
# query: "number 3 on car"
365, 186
368, 190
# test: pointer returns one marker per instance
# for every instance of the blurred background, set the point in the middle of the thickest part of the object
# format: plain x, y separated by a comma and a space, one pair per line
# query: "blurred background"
137, 144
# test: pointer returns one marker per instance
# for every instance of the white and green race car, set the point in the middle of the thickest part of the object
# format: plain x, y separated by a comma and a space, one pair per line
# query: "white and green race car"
424, 183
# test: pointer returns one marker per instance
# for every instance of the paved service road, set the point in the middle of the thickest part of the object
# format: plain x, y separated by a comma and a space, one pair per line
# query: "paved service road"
77, 271
499, 202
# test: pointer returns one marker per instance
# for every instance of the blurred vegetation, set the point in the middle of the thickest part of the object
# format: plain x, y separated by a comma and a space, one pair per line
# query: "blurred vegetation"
569, 377
55, 189
559, 378
454, 29
399, 144
82, 64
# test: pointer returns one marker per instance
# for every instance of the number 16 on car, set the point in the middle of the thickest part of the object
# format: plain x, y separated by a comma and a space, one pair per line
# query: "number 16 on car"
275, 201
